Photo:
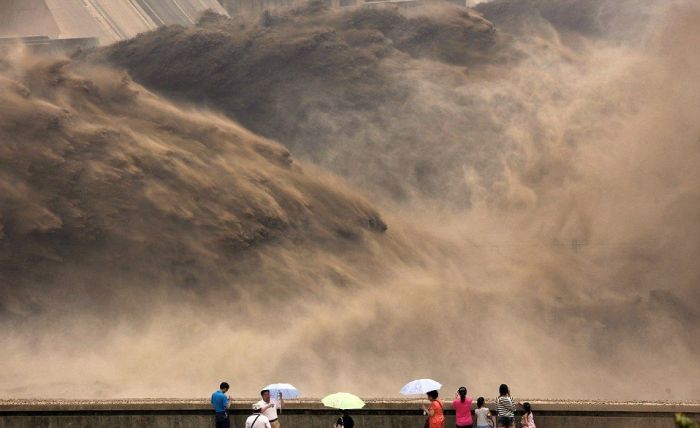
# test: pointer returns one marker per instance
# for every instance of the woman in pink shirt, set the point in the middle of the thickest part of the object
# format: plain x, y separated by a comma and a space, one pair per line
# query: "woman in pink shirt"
463, 408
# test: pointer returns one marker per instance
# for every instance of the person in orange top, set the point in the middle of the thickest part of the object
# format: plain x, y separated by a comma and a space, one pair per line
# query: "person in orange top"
436, 416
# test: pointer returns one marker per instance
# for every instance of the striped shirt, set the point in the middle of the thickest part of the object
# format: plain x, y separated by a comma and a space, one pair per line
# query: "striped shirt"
505, 406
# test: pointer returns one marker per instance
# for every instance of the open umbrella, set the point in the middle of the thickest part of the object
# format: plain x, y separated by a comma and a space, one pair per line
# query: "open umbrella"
343, 400
420, 386
287, 390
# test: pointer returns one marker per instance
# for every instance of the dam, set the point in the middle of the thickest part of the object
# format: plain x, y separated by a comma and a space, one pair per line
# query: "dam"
106, 20
379, 413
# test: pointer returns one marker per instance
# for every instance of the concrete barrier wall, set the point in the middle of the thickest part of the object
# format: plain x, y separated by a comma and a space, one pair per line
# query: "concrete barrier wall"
384, 414
315, 421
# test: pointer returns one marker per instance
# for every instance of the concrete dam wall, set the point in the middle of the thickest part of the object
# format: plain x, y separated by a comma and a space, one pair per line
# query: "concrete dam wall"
106, 20
311, 414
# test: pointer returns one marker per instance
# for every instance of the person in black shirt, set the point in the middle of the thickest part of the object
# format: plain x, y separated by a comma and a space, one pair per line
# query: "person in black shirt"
345, 421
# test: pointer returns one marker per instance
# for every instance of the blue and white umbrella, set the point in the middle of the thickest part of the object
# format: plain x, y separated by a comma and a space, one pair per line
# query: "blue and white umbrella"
287, 390
420, 386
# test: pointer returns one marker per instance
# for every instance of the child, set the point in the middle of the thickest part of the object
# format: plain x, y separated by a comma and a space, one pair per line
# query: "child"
484, 418
528, 420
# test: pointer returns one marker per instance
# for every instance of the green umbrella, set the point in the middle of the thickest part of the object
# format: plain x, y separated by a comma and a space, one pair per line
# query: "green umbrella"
343, 400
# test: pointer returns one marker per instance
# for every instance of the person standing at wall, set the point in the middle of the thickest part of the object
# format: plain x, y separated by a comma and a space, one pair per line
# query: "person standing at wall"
484, 418
463, 408
269, 409
505, 407
221, 402
436, 414
528, 419
257, 420
345, 421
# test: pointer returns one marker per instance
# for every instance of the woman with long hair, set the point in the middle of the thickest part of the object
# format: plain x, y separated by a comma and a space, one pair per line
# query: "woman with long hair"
505, 406
463, 408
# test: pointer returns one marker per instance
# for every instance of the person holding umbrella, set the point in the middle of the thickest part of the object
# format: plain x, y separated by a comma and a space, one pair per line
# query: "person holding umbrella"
345, 421
343, 401
279, 392
268, 409
436, 416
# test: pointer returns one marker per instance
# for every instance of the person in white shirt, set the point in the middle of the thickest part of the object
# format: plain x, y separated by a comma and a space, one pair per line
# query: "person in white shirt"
484, 418
269, 409
257, 420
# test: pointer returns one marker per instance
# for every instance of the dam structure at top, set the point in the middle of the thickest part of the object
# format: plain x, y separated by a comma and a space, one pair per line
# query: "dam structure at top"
106, 20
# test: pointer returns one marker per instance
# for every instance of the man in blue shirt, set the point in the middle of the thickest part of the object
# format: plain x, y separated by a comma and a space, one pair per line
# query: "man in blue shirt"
220, 401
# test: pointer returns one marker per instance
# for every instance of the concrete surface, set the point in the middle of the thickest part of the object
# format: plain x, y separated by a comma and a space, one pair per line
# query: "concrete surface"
311, 414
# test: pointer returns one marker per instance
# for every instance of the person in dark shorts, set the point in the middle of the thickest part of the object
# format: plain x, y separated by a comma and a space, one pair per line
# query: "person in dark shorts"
505, 405
221, 402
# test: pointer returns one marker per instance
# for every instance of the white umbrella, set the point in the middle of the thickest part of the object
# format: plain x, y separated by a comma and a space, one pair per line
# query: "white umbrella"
287, 390
420, 386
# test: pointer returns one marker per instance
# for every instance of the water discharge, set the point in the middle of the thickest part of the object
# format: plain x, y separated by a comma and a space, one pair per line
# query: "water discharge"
540, 189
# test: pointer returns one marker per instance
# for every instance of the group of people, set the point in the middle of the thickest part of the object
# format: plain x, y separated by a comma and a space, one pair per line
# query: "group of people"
462, 405
265, 412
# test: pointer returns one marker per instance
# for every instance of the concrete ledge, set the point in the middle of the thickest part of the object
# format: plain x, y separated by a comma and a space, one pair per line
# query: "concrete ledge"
313, 404
310, 413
